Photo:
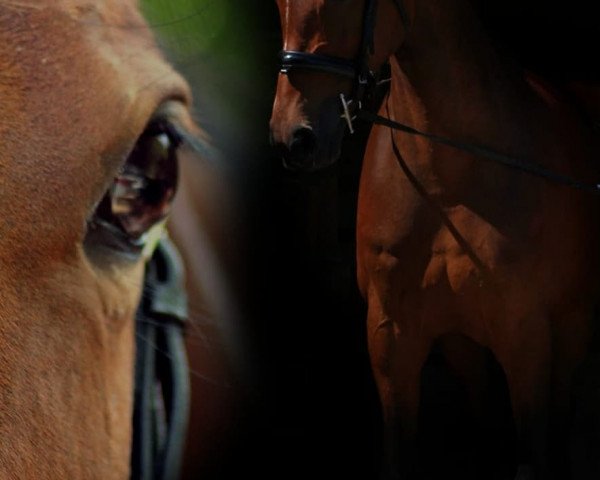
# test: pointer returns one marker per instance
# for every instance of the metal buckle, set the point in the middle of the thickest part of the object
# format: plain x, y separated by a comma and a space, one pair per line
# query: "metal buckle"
347, 115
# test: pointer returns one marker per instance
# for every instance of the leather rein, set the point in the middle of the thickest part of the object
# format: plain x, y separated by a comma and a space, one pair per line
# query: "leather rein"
162, 383
364, 79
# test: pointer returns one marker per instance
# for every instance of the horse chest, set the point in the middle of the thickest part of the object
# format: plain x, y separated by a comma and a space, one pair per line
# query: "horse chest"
458, 253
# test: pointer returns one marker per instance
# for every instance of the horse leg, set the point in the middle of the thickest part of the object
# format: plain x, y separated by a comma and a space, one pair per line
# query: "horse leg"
526, 360
561, 421
570, 349
397, 358
468, 362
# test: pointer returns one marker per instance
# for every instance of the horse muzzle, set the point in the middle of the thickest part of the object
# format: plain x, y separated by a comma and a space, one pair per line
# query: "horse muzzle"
312, 142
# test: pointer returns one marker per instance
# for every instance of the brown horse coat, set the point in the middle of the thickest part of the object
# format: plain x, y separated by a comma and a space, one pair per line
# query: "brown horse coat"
448, 243
79, 81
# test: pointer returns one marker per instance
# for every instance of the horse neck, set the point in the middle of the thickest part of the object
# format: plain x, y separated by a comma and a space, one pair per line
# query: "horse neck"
448, 65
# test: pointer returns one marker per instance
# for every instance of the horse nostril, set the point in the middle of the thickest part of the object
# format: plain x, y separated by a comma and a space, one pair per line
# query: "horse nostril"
303, 143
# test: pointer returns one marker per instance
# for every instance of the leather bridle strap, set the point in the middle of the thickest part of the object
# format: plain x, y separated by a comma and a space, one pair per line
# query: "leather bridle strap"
481, 267
356, 69
404, 18
162, 384
349, 68
484, 152
291, 60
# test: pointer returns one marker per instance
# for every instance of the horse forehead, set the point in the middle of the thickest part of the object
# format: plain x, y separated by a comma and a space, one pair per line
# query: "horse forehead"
315, 20
78, 8
296, 9
296, 12
109, 27
98, 24
55, 53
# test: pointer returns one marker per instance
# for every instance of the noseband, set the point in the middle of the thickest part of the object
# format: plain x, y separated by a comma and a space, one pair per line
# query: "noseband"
356, 69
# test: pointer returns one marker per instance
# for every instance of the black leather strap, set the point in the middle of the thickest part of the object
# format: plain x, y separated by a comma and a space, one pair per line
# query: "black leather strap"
162, 384
403, 13
484, 152
292, 60
357, 69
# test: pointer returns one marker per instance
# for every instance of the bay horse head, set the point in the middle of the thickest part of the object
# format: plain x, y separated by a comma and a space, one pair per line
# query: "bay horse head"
329, 63
92, 120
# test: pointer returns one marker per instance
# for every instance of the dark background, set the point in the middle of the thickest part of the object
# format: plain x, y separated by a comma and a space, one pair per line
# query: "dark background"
315, 413
311, 410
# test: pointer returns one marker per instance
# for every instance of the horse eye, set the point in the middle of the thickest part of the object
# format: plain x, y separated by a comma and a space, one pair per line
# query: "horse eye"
141, 193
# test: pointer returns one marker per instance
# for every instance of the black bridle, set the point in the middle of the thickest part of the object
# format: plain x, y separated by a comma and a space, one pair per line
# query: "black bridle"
356, 69
162, 384
364, 79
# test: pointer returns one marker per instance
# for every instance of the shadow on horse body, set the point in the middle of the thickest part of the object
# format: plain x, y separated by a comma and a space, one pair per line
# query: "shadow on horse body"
450, 245
89, 106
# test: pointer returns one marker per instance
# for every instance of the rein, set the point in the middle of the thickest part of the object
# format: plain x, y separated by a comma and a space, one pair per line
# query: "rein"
484, 152
162, 385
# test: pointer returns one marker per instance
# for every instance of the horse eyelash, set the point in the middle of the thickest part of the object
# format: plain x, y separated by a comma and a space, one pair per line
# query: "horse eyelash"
197, 144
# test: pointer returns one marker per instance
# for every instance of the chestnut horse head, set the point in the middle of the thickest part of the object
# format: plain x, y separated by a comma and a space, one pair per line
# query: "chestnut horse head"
330, 53
450, 247
92, 119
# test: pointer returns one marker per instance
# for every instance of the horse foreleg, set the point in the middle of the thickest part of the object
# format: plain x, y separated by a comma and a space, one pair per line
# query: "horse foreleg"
397, 359
525, 357
467, 361
572, 341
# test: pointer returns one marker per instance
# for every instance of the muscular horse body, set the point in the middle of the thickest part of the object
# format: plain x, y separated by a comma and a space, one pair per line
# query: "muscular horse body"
450, 244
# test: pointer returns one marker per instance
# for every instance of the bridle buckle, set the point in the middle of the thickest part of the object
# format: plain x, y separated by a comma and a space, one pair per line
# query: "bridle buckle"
346, 115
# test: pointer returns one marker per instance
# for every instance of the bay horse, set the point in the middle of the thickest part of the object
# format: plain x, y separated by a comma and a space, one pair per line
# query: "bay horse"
93, 120
459, 240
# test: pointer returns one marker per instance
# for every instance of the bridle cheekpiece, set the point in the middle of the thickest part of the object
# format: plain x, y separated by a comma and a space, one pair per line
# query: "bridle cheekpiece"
357, 69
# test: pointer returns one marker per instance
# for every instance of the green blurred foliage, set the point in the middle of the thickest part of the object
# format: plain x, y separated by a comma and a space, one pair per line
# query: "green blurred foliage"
223, 47
197, 28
